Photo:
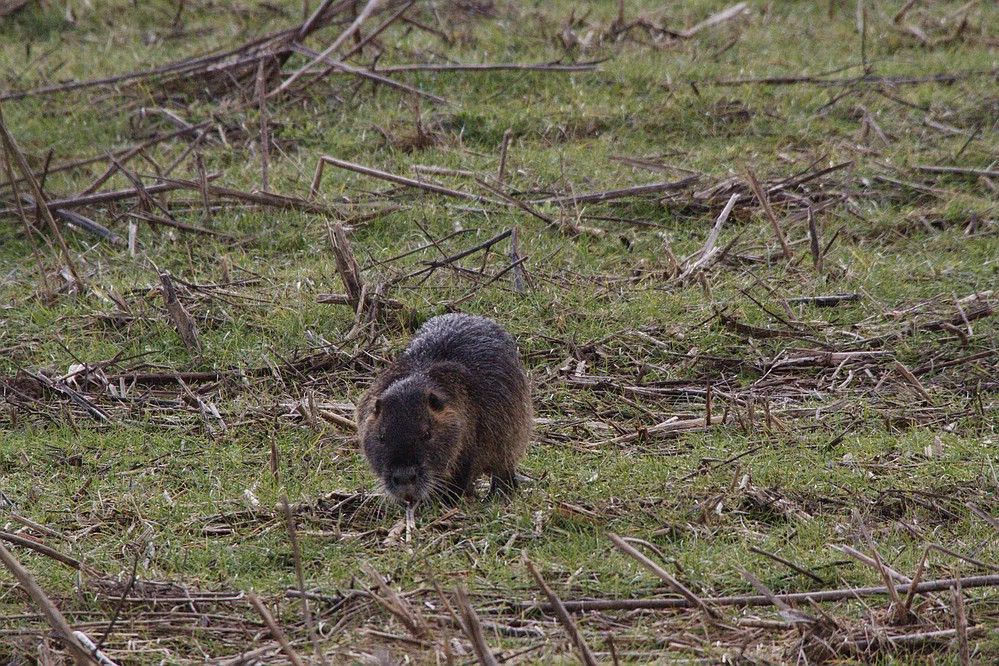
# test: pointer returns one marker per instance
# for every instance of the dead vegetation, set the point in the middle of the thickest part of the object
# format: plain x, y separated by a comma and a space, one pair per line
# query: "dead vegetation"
758, 363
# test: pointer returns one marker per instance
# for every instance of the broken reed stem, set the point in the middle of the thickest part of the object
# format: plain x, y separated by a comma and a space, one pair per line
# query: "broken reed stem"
473, 629
517, 263
677, 586
113, 195
765, 202
265, 151
878, 566
960, 624
562, 613
484, 245
41, 548
815, 243
981, 514
94, 649
296, 554
911, 641
49, 610
178, 314
907, 604
377, 30
346, 265
343, 299
37, 527
911, 379
714, 19
395, 604
788, 563
526, 207
363, 73
707, 252
121, 600
635, 191
512, 267
862, 29
337, 43
390, 177
141, 190
275, 630
502, 160
86, 224
900, 14
29, 230
760, 600
313, 20
12, 150
782, 605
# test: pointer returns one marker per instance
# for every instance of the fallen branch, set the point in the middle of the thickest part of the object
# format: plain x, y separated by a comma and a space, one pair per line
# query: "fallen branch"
826, 301
15, 156
396, 605
281, 201
51, 612
987, 173
708, 252
676, 585
715, 19
363, 16
760, 600
636, 191
390, 177
370, 75
275, 630
108, 197
855, 80
765, 202
472, 627
178, 314
41, 548
492, 67
561, 612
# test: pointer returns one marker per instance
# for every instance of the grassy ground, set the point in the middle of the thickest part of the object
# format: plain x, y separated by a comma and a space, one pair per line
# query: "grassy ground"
161, 470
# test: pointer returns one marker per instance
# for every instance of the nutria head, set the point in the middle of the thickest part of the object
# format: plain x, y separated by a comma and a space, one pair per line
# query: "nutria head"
412, 434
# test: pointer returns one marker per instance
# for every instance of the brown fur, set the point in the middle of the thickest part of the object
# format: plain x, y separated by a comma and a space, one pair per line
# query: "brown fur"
455, 405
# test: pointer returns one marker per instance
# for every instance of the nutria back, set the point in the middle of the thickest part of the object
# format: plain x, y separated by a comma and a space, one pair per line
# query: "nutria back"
456, 404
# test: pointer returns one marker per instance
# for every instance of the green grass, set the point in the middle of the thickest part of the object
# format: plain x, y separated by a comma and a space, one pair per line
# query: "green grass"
614, 345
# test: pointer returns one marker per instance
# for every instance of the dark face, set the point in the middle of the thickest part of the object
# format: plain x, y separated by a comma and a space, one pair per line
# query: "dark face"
400, 447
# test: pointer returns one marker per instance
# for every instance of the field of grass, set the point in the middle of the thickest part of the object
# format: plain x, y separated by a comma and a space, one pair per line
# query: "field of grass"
758, 388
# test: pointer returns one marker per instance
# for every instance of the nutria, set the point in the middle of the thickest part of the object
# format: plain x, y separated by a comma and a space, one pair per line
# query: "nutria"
453, 406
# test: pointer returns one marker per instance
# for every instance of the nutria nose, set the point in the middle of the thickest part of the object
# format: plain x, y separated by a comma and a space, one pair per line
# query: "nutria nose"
404, 476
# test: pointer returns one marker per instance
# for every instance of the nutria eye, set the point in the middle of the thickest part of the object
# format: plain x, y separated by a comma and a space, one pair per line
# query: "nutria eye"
436, 401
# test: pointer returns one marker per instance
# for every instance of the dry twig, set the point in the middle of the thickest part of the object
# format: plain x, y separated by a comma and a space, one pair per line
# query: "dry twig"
556, 605
275, 629
51, 612
677, 586
472, 627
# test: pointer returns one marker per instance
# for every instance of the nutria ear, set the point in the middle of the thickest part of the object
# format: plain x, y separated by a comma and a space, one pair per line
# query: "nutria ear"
378, 406
435, 400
